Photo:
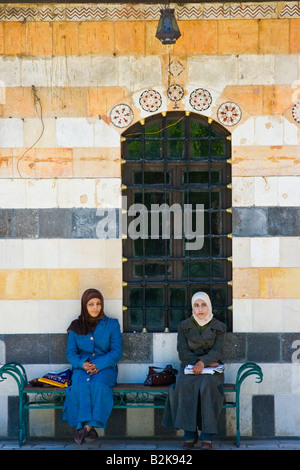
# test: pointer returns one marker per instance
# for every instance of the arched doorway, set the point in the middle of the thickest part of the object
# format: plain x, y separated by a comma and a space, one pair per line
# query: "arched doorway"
175, 159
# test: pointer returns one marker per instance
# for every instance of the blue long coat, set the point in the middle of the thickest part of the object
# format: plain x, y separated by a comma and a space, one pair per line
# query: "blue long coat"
89, 399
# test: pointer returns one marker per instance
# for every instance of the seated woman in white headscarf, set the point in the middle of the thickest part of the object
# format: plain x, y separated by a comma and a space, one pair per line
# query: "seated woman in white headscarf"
195, 401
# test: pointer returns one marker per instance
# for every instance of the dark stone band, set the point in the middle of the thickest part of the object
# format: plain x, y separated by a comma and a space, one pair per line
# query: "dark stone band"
138, 348
104, 223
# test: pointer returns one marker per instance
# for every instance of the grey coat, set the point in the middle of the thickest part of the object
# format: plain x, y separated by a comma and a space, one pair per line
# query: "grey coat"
196, 400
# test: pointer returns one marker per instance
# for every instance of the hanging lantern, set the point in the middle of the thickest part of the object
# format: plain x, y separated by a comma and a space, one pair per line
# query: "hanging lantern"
167, 29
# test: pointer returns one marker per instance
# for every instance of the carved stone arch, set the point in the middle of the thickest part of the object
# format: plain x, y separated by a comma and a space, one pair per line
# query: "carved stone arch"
130, 110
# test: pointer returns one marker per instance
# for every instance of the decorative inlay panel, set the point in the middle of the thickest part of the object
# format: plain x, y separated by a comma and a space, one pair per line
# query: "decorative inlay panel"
200, 99
130, 12
121, 115
229, 114
175, 93
296, 112
175, 68
150, 100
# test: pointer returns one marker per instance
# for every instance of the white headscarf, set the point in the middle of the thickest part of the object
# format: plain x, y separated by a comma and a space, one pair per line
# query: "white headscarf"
205, 297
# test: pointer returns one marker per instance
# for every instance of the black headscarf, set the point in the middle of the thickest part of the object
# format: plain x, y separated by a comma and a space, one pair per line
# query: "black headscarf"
85, 323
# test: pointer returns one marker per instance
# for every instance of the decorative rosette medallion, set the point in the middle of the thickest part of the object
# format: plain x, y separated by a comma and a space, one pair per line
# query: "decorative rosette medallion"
175, 93
229, 114
121, 115
296, 111
150, 100
200, 99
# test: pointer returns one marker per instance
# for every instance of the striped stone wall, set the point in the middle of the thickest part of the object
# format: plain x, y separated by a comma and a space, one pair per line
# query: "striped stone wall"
64, 72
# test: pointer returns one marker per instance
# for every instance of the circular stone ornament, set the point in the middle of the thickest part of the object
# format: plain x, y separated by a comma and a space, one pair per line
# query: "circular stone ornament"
150, 100
229, 114
200, 99
121, 115
175, 92
296, 112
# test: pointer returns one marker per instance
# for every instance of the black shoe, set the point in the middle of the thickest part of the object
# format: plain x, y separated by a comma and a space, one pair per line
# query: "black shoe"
81, 435
189, 443
91, 435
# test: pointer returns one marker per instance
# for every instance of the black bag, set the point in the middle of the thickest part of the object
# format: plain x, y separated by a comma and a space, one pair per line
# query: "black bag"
166, 377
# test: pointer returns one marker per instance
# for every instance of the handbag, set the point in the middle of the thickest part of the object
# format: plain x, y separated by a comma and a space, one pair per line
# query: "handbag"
166, 377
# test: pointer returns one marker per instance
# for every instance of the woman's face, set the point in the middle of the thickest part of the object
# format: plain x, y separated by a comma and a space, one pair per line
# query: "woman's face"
94, 307
200, 309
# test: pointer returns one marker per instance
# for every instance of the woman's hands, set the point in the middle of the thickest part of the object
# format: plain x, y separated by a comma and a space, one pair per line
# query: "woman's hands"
90, 368
199, 366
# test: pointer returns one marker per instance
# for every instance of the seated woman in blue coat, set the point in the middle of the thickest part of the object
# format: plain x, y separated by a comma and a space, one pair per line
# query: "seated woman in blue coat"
94, 349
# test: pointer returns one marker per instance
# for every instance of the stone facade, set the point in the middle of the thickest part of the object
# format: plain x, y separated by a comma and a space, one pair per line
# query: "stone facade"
64, 72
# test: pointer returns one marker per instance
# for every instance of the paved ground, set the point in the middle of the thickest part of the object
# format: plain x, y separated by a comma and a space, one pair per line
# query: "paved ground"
172, 446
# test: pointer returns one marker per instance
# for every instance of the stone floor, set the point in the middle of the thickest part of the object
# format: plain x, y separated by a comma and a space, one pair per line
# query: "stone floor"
148, 445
